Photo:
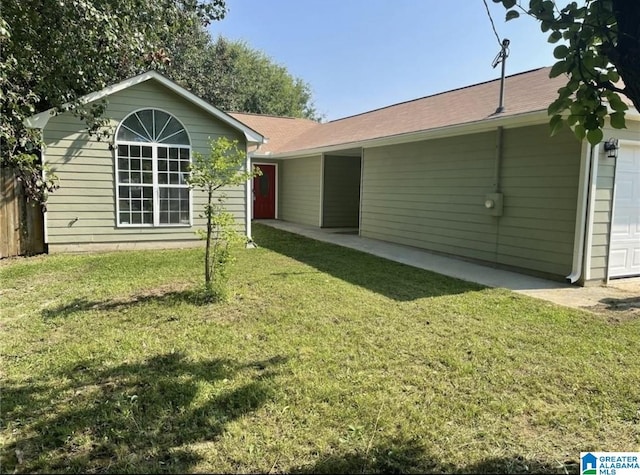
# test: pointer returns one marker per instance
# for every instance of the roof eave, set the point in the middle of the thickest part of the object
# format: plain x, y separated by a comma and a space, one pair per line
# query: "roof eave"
261, 155
484, 125
632, 113
39, 121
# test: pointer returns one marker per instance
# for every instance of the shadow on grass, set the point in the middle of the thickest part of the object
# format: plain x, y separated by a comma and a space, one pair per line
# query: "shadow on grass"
391, 279
621, 304
136, 417
406, 456
194, 297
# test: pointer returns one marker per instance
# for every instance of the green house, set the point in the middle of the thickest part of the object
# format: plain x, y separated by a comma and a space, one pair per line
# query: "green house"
447, 173
130, 191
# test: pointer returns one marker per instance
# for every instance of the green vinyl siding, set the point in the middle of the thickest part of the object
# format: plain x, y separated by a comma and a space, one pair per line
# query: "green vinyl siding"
602, 210
431, 195
83, 209
299, 190
341, 193
540, 177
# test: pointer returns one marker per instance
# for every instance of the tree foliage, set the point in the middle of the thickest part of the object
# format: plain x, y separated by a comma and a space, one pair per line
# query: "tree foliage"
55, 51
598, 51
234, 77
222, 167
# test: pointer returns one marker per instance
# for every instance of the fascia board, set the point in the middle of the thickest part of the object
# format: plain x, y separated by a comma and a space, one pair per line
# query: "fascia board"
632, 113
485, 125
39, 121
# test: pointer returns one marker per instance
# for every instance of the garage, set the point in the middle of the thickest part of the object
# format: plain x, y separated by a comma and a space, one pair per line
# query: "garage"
624, 254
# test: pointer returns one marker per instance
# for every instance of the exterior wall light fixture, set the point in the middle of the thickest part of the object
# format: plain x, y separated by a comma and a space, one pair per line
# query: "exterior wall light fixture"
611, 148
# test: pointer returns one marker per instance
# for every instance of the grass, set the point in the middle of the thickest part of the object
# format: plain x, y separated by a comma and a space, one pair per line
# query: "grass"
323, 360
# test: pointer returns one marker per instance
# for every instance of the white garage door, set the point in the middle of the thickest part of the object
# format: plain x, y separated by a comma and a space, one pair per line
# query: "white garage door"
624, 257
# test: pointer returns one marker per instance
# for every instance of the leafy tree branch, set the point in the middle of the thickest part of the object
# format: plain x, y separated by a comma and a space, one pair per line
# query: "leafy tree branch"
56, 51
600, 56
43, 66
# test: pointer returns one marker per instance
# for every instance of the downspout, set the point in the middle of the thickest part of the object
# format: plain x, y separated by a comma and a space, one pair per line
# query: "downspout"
593, 188
497, 185
321, 210
498, 162
360, 206
583, 213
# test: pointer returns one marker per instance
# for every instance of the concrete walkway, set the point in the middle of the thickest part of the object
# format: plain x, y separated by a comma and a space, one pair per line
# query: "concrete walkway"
556, 292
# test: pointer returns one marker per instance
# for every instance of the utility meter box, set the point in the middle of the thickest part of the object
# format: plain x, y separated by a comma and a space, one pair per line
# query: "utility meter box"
493, 203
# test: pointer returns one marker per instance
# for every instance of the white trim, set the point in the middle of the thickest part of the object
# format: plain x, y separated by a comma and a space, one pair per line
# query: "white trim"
275, 165
588, 214
361, 191
277, 185
484, 125
190, 198
45, 214
155, 190
163, 127
633, 143
39, 121
248, 202
170, 114
321, 210
631, 113
181, 243
262, 156
133, 132
151, 136
155, 186
154, 168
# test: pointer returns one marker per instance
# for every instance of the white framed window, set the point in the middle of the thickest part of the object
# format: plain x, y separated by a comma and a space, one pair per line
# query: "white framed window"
153, 154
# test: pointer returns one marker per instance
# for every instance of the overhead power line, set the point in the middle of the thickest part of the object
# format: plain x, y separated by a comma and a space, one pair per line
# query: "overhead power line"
493, 26
501, 57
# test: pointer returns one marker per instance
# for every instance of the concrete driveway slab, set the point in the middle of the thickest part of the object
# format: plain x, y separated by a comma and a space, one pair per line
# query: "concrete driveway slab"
619, 296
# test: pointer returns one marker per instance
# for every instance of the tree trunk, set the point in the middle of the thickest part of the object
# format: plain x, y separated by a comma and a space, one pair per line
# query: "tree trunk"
627, 61
207, 252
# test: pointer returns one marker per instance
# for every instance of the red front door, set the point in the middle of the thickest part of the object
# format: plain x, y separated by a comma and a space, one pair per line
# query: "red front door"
264, 193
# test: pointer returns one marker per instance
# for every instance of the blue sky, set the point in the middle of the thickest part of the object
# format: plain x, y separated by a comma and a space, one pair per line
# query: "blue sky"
359, 55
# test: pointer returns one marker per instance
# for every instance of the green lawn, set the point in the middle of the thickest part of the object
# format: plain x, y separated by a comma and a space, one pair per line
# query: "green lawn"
324, 360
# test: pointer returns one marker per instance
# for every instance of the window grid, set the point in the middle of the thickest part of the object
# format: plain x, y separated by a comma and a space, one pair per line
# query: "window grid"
135, 185
152, 126
151, 177
173, 167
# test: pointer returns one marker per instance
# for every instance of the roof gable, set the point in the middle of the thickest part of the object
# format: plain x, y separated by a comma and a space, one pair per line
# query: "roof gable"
277, 130
39, 121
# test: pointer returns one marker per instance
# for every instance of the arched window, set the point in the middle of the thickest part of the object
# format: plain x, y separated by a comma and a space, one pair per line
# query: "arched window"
153, 154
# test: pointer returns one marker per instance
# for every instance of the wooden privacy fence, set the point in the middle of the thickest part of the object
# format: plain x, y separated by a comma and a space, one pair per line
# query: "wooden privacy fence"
21, 224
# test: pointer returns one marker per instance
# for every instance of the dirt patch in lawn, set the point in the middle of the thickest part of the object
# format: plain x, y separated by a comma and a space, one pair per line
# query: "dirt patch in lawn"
618, 310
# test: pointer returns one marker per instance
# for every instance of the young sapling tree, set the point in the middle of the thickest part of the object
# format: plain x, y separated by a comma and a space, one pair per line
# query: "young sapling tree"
224, 166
